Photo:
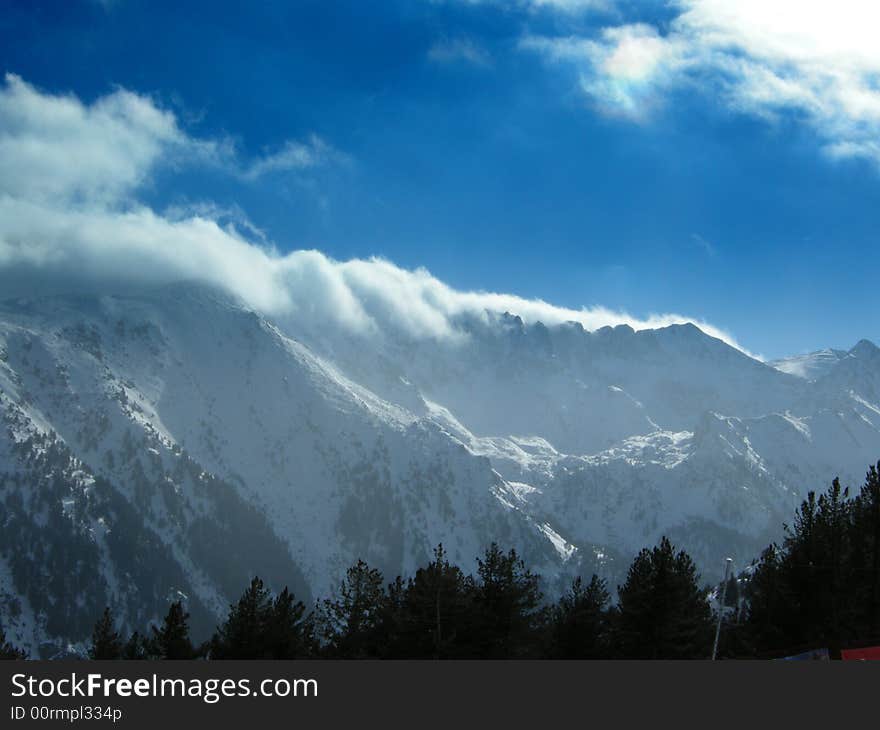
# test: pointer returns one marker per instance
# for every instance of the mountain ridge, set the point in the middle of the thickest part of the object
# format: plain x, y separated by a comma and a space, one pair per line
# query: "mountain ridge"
189, 410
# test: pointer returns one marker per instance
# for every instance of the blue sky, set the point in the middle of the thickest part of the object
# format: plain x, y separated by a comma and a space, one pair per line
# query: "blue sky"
643, 157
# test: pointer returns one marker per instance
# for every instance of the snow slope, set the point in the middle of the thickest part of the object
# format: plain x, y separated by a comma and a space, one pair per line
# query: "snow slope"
176, 442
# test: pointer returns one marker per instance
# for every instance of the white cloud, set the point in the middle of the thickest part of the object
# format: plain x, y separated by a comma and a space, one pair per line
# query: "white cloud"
293, 155
819, 60
570, 7
707, 246
452, 50
367, 296
57, 147
87, 229
621, 68
637, 51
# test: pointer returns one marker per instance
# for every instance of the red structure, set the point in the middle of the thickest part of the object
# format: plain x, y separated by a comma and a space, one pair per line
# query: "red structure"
861, 655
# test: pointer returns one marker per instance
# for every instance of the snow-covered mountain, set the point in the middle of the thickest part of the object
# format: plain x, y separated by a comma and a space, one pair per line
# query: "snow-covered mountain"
177, 442
810, 366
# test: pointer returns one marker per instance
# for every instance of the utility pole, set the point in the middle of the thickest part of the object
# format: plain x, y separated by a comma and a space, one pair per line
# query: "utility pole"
727, 563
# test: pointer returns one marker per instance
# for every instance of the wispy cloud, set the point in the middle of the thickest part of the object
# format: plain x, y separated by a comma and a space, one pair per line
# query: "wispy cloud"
817, 61
567, 6
455, 50
621, 69
293, 156
57, 147
707, 247
572, 5
70, 218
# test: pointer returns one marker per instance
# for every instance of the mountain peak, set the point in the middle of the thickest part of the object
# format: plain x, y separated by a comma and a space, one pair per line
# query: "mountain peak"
811, 365
864, 348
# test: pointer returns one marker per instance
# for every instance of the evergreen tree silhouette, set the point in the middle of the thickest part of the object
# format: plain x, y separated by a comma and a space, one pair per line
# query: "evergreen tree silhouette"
662, 612
394, 621
244, 633
135, 648
171, 640
866, 555
801, 573
820, 588
351, 618
812, 574
7, 650
766, 602
287, 631
106, 643
835, 577
507, 612
438, 611
579, 624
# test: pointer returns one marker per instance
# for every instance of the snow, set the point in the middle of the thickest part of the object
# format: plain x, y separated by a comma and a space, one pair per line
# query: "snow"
569, 445
565, 549
810, 366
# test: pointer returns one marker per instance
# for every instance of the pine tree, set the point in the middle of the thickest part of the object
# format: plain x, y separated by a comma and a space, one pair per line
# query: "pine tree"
314, 643
579, 624
287, 630
106, 643
507, 609
244, 633
393, 621
437, 609
835, 579
134, 648
799, 572
815, 572
766, 602
7, 650
866, 555
351, 618
813, 591
171, 640
662, 612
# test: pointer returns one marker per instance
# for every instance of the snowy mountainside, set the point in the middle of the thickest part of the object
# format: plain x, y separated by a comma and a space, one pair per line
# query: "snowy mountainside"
636, 432
176, 442
809, 366
185, 444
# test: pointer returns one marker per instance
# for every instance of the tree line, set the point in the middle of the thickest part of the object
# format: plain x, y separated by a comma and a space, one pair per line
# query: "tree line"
819, 587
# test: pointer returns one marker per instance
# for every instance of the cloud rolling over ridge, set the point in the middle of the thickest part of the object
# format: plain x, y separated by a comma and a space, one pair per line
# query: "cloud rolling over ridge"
70, 219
